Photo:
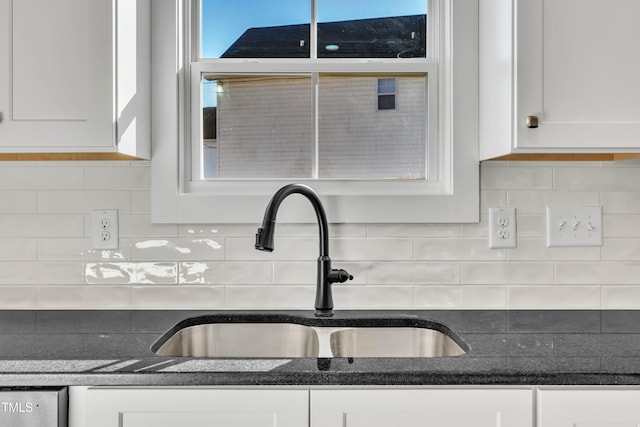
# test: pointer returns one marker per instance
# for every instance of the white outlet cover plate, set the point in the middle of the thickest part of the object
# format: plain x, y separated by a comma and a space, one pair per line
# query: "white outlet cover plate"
574, 226
502, 228
111, 215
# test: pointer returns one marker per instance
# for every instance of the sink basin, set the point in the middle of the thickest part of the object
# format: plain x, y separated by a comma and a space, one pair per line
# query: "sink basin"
242, 340
392, 342
267, 335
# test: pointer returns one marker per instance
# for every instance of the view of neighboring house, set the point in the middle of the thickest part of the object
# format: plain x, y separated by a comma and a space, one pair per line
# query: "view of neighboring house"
367, 125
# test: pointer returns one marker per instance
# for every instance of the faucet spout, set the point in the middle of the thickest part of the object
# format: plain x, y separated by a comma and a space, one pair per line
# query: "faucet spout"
326, 275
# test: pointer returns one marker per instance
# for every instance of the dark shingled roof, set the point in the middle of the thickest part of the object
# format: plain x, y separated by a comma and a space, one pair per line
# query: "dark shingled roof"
398, 36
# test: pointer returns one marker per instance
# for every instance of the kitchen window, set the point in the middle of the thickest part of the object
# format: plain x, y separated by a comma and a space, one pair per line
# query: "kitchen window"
280, 91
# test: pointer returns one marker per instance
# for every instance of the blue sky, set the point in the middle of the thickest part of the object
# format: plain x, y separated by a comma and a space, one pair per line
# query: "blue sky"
223, 21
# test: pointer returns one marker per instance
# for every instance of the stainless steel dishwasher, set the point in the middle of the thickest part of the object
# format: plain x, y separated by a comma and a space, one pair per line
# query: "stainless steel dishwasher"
34, 407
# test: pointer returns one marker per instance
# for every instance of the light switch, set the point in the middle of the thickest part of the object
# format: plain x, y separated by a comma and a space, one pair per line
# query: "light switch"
574, 226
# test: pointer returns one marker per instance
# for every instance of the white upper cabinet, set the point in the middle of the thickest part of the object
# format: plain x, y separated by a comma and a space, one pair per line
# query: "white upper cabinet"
570, 65
74, 76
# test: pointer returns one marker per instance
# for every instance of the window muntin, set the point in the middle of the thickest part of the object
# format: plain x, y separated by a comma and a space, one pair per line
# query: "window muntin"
343, 33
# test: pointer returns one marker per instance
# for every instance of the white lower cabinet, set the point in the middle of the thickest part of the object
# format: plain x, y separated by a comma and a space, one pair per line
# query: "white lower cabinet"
421, 408
353, 407
196, 407
589, 408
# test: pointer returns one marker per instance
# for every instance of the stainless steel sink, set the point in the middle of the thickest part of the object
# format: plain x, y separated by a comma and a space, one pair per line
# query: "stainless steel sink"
287, 336
242, 340
392, 342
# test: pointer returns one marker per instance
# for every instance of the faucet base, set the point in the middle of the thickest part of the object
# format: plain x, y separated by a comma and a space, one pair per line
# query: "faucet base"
324, 313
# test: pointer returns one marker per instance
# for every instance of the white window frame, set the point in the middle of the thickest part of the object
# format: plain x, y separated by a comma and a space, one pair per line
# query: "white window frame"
449, 195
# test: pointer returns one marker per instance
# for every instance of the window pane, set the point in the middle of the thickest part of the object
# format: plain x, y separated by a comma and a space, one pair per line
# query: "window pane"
356, 140
386, 102
263, 127
386, 86
372, 29
255, 28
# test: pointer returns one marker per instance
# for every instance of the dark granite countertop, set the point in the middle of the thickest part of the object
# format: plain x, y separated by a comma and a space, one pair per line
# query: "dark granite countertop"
39, 348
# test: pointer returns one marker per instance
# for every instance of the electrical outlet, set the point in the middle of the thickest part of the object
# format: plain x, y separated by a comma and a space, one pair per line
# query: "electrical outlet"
502, 228
574, 226
104, 228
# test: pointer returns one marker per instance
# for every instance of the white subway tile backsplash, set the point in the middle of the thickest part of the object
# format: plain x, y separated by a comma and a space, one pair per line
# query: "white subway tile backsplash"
413, 230
492, 198
621, 226
226, 273
371, 249
621, 297
216, 230
270, 297
596, 179
378, 297
33, 225
537, 201
157, 273
110, 273
621, 249
17, 297
413, 273
554, 297
84, 297
18, 202
115, 178
47, 261
620, 202
466, 297
140, 202
480, 229
531, 225
172, 297
506, 273
456, 249
141, 226
40, 177
72, 249
83, 201
197, 249
516, 178
597, 273
535, 249
14, 249
40, 273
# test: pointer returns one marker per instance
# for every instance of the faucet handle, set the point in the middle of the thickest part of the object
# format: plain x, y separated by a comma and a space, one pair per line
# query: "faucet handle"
339, 276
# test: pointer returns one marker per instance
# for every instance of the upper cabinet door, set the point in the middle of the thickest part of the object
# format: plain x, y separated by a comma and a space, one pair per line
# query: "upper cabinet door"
559, 76
66, 75
577, 71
